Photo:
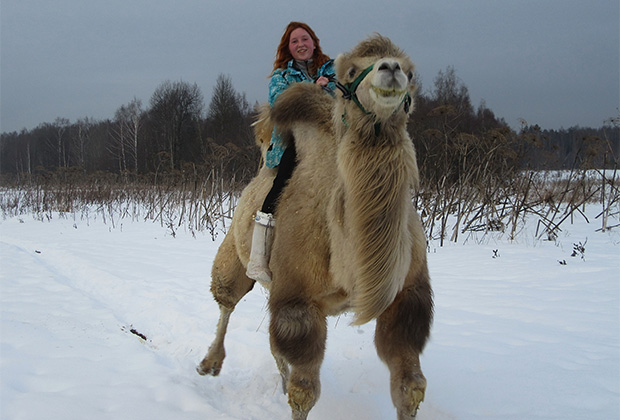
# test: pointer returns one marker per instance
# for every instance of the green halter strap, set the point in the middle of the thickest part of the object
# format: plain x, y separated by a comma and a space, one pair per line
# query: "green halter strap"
349, 92
351, 88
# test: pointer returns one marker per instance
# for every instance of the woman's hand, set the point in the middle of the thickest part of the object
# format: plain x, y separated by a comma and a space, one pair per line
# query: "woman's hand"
323, 81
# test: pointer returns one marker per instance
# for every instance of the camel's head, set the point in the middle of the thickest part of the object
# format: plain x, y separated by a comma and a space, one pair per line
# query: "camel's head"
379, 77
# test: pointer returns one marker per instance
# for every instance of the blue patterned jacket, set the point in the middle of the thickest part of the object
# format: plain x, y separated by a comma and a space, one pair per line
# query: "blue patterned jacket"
280, 80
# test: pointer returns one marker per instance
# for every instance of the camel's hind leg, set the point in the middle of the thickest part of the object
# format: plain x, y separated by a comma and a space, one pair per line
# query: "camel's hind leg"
401, 333
212, 362
228, 285
298, 331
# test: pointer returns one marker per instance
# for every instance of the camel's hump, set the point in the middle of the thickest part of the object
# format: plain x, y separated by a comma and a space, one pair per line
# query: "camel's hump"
302, 103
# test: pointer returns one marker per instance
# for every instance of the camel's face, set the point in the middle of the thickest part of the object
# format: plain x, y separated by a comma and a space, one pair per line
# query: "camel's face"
384, 88
388, 83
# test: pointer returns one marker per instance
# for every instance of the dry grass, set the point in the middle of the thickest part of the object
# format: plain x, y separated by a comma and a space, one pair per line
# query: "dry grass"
192, 203
502, 205
450, 211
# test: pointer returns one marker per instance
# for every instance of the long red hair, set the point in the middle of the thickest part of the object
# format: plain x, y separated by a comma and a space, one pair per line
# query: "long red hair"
283, 55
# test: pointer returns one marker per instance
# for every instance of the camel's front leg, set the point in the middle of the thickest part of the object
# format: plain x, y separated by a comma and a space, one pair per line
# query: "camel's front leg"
212, 362
407, 387
298, 331
304, 388
402, 331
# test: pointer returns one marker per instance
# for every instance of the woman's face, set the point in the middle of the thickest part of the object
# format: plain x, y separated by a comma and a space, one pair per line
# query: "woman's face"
300, 45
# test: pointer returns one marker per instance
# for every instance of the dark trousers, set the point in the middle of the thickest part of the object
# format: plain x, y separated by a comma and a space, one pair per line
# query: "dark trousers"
285, 170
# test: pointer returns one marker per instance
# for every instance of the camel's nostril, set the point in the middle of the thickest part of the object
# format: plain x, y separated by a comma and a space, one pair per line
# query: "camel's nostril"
391, 66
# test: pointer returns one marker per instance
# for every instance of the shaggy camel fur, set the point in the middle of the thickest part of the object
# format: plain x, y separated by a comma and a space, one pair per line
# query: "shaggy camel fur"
347, 236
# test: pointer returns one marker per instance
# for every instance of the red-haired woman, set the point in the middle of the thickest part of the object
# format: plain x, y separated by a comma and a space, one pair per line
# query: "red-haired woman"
299, 58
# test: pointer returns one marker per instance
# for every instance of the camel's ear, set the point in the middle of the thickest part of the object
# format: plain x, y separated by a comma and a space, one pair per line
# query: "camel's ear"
341, 66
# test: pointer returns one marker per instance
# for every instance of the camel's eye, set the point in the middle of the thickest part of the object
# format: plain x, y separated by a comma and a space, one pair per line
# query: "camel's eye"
410, 76
352, 72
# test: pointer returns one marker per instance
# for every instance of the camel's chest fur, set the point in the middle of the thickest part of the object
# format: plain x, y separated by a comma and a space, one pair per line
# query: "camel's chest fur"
334, 191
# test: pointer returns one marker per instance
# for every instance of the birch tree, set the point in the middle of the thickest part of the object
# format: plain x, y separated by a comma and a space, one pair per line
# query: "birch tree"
126, 133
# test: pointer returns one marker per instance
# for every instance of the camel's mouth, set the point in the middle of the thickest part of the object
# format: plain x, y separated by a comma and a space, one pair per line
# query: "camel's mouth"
388, 93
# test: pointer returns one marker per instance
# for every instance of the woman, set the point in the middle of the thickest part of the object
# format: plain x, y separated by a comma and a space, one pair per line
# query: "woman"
298, 59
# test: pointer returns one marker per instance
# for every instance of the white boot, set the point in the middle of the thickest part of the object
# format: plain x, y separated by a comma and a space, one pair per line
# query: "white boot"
262, 238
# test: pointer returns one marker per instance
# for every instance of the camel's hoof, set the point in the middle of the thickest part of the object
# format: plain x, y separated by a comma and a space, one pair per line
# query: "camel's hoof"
413, 398
301, 398
300, 415
410, 394
401, 416
207, 367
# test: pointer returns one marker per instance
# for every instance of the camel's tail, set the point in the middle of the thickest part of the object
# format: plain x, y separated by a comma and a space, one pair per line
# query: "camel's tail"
263, 127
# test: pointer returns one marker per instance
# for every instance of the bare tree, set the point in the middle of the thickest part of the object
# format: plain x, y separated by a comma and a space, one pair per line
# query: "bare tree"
58, 139
450, 90
227, 114
126, 132
176, 112
81, 138
118, 144
134, 114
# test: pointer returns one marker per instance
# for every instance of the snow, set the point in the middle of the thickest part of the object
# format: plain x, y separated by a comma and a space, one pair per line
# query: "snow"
517, 335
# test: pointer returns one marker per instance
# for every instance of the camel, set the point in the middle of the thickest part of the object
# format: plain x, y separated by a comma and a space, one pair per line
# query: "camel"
347, 236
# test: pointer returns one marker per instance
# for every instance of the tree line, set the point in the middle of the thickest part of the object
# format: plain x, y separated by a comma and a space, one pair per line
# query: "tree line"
455, 141
175, 135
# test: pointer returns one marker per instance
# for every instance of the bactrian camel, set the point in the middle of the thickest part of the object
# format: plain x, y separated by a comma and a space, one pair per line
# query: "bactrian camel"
347, 237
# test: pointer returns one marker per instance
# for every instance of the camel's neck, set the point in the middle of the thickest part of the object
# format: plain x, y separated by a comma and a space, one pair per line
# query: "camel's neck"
377, 174
386, 129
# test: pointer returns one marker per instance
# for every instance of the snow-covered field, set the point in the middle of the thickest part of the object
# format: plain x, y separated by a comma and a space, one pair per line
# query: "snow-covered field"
517, 334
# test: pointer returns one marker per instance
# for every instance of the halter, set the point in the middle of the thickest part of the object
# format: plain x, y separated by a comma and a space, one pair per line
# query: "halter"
349, 92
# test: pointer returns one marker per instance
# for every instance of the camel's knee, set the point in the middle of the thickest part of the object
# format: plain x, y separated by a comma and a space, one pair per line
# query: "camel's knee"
298, 332
405, 326
229, 282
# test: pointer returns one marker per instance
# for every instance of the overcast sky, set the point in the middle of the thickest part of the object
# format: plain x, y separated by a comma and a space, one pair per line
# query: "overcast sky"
550, 62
